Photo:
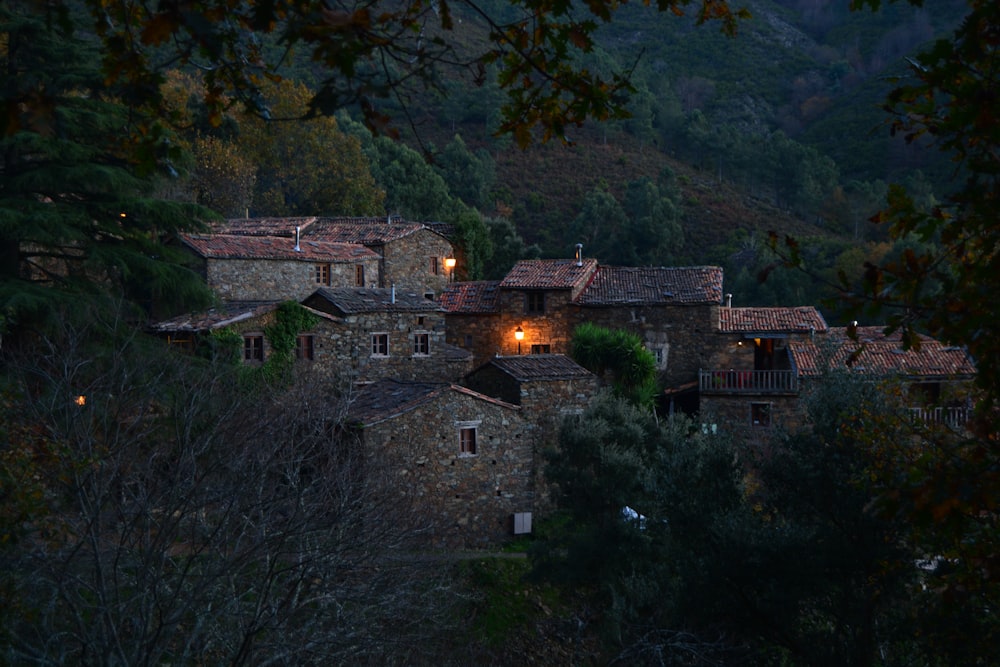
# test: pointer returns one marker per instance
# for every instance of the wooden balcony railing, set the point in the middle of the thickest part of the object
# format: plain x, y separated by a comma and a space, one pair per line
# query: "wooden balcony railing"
952, 417
748, 382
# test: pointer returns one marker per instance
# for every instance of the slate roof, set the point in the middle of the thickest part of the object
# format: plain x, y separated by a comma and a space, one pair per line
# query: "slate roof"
388, 398
548, 274
352, 300
234, 246
539, 367
262, 226
880, 355
221, 316
367, 233
482, 296
623, 286
765, 320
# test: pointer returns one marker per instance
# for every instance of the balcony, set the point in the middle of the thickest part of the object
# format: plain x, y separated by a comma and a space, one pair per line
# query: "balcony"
952, 417
748, 382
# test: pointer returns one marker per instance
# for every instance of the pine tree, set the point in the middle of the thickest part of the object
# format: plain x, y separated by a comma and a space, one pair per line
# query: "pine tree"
77, 213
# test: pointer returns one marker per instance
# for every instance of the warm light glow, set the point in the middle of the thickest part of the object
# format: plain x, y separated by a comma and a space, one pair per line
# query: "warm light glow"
519, 333
449, 262
122, 215
740, 343
80, 400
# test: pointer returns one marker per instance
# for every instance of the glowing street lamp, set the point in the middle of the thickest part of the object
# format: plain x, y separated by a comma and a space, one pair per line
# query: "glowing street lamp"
519, 335
449, 263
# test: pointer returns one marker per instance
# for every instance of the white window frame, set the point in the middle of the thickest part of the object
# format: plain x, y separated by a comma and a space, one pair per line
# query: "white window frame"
463, 427
377, 336
426, 337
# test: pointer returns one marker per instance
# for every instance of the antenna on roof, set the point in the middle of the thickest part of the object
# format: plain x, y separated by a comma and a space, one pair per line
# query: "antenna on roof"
579, 254
297, 248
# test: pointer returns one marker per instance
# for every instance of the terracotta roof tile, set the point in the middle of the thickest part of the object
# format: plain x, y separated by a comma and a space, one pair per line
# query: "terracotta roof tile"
352, 300
472, 297
880, 355
540, 367
387, 398
763, 320
368, 233
615, 285
226, 246
548, 274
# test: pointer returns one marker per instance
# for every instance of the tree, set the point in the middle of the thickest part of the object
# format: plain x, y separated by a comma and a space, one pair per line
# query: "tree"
508, 248
621, 354
470, 177
600, 225
654, 236
377, 52
305, 167
77, 211
186, 522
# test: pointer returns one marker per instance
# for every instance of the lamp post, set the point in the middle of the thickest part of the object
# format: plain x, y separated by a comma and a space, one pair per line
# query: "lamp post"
449, 263
519, 335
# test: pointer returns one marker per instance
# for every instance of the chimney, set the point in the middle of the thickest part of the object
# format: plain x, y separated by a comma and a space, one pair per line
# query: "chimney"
579, 254
297, 248
729, 300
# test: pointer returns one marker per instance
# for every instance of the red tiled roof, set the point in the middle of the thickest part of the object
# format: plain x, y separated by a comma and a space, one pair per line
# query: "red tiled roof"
879, 355
762, 320
548, 274
616, 285
536, 367
387, 398
481, 296
225, 246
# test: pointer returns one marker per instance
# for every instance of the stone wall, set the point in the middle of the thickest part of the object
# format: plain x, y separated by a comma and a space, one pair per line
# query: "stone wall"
416, 262
685, 335
280, 280
735, 415
553, 327
346, 348
470, 498
476, 333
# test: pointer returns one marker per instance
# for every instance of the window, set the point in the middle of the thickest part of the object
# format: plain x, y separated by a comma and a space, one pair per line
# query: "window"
657, 355
534, 302
435, 265
467, 440
359, 275
182, 341
304, 347
760, 414
253, 347
541, 349
322, 274
380, 345
421, 344
468, 341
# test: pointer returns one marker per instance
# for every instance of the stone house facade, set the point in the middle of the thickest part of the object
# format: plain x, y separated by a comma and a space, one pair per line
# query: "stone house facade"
382, 333
412, 255
465, 458
536, 307
748, 379
548, 388
247, 268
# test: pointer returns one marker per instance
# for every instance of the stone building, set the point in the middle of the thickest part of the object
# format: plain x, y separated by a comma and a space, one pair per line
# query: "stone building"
672, 310
748, 378
465, 458
388, 333
536, 307
548, 388
246, 268
937, 378
250, 320
412, 255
